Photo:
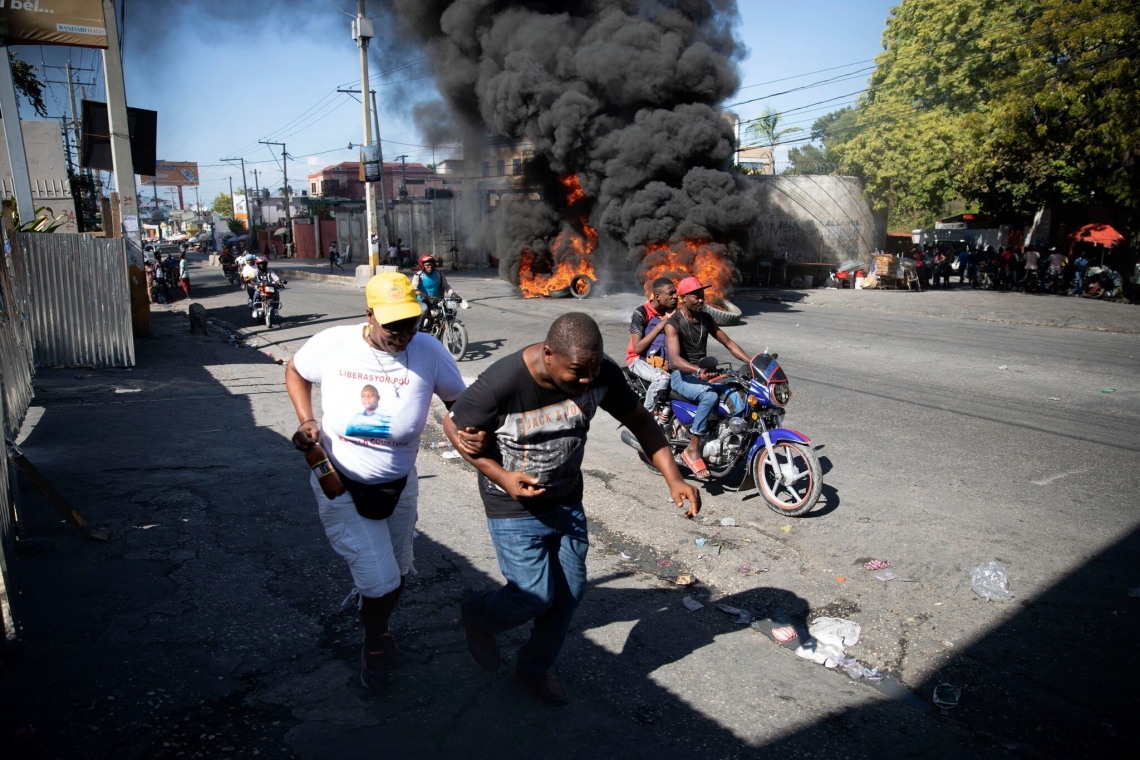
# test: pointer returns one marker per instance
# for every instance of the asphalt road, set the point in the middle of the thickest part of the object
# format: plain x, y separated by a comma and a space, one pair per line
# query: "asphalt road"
947, 441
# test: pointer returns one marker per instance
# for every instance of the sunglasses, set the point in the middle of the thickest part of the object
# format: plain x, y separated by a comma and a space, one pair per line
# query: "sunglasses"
402, 326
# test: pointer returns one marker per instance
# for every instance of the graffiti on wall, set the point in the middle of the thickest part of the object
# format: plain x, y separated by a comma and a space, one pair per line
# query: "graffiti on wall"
807, 240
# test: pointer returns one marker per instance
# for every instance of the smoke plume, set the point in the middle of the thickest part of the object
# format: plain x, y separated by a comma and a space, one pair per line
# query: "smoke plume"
623, 93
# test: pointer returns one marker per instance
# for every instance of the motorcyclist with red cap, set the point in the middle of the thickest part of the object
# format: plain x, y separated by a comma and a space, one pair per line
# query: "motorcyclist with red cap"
686, 336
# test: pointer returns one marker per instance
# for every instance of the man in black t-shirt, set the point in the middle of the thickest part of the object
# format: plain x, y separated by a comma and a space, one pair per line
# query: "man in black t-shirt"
686, 339
538, 403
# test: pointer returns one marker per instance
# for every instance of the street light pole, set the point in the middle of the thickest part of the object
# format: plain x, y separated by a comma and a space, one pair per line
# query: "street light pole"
362, 32
389, 239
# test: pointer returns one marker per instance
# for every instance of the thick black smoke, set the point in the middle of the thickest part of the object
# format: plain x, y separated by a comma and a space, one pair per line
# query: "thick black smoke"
622, 92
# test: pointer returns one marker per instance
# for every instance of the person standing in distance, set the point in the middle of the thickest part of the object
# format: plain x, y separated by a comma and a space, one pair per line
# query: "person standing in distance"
538, 403
377, 379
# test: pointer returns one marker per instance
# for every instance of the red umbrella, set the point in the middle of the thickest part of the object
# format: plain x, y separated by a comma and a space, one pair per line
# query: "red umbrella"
1100, 234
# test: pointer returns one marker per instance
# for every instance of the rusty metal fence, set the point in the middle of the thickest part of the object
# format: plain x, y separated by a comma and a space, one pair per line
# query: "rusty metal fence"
64, 302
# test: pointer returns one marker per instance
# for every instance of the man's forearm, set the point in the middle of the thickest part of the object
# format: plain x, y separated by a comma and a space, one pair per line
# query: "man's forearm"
489, 468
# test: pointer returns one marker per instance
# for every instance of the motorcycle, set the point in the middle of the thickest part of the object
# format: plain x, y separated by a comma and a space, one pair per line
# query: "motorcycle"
231, 273
747, 446
1054, 281
266, 303
442, 323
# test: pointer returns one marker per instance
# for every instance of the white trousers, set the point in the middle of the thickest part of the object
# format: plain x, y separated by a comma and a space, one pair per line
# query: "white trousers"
378, 552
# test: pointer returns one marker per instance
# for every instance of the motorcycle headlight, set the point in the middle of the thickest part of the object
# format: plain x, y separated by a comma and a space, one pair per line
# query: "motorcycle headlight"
781, 393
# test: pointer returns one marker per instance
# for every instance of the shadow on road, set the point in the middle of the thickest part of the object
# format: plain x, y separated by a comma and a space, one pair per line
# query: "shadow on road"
211, 619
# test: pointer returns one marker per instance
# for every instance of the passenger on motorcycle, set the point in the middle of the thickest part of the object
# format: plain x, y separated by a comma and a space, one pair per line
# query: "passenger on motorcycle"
687, 334
646, 356
260, 271
429, 282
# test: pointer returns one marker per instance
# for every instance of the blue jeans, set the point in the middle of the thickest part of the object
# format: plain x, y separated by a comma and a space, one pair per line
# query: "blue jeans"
701, 393
543, 558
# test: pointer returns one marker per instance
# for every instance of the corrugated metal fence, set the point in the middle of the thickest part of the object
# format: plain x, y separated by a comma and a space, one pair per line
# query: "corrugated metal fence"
78, 300
64, 302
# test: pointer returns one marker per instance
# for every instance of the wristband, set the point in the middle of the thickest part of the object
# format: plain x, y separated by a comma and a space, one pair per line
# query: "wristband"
306, 422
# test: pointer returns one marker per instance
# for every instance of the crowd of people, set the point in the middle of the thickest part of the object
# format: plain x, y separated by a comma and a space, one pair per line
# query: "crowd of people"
1030, 270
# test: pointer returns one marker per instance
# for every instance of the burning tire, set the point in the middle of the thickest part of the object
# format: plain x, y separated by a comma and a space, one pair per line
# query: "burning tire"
726, 317
560, 293
581, 286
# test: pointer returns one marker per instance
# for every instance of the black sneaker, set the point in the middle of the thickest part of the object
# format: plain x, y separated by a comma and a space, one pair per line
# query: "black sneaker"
482, 644
394, 657
373, 670
546, 687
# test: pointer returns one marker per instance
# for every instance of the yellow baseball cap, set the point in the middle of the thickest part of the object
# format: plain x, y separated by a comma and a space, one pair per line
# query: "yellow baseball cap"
391, 298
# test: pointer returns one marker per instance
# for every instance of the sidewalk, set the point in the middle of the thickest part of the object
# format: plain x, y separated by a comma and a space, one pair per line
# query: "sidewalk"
209, 624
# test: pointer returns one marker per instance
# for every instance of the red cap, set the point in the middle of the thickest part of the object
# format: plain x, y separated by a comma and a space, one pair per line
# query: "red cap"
688, 285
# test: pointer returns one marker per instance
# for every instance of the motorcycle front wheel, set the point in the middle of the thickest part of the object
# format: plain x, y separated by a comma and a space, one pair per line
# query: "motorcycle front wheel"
455, 339
798, 496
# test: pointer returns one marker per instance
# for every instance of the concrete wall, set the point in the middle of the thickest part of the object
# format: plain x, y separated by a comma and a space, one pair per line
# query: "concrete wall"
47, 167
807, 219
435, 227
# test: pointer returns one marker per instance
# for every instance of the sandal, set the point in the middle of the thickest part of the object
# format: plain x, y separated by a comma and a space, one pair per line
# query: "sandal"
698, 467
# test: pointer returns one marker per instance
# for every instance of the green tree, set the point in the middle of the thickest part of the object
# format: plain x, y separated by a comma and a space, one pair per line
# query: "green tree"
236, 226
830, 131
1006, 103
223, 206
765, 128
28, 84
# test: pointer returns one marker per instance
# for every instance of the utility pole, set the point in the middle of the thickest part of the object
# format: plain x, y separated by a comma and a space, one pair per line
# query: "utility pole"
14, 136
380, 155
257, 194
403, 174
362, 32
233, 206
284, 171
71, 95
245, 192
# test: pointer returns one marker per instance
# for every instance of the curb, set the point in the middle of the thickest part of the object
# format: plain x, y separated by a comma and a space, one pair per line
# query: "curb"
301, 274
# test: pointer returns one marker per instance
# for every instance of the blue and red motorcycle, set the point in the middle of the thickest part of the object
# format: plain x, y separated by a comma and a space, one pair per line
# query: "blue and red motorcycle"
747, 445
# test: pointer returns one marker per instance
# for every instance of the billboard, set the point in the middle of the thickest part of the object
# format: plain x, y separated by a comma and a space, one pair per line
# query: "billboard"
79, 23
172, 174
96, 146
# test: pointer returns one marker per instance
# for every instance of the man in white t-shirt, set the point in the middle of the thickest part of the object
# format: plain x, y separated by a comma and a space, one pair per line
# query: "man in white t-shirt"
377, 380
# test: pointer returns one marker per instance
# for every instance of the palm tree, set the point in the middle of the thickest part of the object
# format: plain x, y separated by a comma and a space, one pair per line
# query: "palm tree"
766, 128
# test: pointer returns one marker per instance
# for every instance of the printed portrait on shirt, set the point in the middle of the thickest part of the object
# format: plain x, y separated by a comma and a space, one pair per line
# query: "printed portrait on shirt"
369, 423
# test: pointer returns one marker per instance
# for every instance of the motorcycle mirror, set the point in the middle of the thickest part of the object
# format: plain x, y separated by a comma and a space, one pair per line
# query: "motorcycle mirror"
775, 357
709, 362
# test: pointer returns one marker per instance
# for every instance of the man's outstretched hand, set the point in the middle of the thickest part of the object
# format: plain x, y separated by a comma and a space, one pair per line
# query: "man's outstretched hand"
682, 492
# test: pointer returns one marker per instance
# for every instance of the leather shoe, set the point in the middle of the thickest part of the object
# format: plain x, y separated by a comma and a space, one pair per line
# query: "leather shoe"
481, 643
546, 687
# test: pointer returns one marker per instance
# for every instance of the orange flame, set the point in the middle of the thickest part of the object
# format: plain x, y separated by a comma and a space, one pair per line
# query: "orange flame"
706, 261
571, 251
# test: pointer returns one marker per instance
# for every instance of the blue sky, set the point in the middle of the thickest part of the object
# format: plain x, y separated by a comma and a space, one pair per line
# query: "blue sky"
202, 77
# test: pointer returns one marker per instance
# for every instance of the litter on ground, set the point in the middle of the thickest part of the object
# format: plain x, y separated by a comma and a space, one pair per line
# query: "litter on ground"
728, 522
989, 581
691, 604
876, 564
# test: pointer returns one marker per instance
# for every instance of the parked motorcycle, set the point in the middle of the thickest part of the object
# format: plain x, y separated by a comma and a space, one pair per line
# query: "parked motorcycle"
747, 447
1102, 282
266, 301
442, 323
1054, 281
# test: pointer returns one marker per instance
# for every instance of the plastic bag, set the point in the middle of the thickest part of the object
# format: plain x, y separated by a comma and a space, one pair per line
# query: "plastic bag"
990, 581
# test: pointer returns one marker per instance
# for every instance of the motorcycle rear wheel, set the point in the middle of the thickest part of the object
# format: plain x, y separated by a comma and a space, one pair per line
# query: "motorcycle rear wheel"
798, 498
455, 339
268, 318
